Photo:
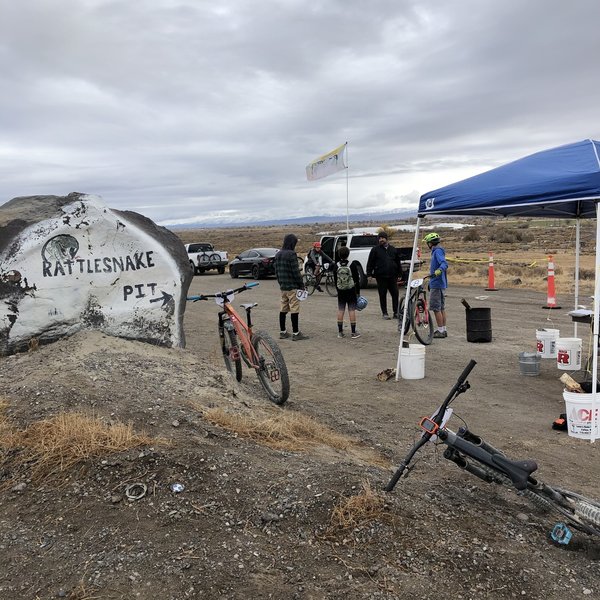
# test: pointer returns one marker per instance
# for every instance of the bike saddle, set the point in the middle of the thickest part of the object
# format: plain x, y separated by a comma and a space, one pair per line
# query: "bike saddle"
517, 470
248, 305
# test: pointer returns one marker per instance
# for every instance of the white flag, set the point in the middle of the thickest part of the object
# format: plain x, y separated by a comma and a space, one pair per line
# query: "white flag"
329, 163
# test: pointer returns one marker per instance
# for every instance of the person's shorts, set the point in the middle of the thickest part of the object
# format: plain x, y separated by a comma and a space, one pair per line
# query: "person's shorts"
289, 302
347, 298
437, 299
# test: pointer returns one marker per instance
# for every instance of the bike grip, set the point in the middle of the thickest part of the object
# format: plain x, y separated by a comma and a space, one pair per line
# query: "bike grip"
467, 370
251, 284
194, 298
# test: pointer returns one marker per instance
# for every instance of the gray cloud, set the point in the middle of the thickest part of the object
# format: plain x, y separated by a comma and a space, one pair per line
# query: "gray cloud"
184, 109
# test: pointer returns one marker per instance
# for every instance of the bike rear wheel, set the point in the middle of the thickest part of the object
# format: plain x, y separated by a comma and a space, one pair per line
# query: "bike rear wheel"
422, 322
272, 370
580, 512
330, 285
231, 351
309, 283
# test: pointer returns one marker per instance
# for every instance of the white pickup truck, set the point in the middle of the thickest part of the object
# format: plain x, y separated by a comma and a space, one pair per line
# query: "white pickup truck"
360, 245
203, 257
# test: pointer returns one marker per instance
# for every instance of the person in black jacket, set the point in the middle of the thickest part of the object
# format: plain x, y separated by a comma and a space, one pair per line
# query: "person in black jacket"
384, 265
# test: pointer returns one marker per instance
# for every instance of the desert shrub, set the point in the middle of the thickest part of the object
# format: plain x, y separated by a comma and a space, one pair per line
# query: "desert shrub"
460, 268
387, 229
472, 235
508, 236
512, 270
587, 273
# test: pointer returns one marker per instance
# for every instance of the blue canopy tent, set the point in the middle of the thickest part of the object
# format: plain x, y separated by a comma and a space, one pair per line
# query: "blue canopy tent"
562, 182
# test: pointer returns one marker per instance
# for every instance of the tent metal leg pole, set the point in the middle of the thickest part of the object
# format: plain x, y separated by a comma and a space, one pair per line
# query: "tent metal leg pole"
577, 247
405, 311
595, 328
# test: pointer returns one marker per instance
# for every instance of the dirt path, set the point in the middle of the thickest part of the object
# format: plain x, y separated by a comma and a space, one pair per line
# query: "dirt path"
253, 522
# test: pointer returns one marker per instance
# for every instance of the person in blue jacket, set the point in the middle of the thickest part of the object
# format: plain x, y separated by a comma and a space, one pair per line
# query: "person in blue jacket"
438, 283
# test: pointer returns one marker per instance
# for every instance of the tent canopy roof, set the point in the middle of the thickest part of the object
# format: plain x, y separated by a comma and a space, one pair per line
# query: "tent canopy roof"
559, 182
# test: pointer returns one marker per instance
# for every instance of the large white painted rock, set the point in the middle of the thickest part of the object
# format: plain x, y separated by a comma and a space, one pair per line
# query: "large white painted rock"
69, 263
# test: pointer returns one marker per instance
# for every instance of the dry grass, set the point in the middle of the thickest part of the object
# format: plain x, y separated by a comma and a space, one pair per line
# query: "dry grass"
286, 431
365, 507
51, 446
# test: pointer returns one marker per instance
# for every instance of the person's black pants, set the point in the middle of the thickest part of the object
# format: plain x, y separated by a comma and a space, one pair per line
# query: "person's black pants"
385, 285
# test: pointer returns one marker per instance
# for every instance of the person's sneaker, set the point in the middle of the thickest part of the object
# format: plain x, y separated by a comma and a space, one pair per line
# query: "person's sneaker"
355, 335
440, 334
386, 316
395, 316
283, 335
299, 336
341, 334
319, 289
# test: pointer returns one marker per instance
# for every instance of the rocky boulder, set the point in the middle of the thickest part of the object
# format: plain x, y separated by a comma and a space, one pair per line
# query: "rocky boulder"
71, 263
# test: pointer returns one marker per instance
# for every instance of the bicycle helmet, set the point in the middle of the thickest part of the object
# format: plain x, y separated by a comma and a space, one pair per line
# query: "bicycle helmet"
431, 238
361, 303
317, 245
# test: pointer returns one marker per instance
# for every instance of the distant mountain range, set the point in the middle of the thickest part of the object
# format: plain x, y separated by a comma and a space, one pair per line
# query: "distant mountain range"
394, 215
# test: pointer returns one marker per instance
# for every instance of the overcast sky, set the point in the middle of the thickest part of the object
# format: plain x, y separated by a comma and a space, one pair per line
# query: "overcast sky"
185, 110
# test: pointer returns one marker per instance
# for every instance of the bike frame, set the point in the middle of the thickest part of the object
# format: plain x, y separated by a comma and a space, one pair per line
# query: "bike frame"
243, 331
489, 464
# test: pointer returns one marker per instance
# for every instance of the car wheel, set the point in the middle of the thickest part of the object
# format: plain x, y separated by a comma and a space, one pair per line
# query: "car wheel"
221, 270
193, 267
233, 272
255, 272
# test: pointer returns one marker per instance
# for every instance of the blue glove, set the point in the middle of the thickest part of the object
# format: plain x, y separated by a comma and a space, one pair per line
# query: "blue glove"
437, 272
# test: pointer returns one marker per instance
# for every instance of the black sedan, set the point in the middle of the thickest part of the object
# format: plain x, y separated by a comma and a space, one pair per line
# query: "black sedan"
258, 262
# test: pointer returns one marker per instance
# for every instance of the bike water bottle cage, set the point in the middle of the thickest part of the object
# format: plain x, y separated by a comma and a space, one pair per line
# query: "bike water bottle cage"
428, 425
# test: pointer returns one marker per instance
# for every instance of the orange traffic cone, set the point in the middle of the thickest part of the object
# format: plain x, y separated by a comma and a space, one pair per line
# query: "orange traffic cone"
551, 301
491, 285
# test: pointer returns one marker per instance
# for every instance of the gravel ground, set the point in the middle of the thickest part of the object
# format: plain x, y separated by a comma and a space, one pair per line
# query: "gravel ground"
253, 522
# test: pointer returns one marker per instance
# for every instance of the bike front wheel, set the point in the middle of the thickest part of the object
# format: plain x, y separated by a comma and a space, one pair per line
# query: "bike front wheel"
330, 285
400, 313
272, 371
309, 283
422, 322
231, 351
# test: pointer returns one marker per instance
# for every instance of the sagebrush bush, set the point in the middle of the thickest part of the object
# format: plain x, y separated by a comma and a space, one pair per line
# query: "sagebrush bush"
472, 235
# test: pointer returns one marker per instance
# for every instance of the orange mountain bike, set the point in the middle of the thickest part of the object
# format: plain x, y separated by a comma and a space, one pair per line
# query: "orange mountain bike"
257, 349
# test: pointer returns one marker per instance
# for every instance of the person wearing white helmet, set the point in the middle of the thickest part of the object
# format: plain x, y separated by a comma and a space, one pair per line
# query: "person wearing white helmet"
438, 283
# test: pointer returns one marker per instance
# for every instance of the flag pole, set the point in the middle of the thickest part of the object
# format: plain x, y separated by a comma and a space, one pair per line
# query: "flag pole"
347, 191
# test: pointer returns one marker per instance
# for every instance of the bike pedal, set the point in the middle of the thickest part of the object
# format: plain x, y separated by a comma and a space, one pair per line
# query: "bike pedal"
561, 534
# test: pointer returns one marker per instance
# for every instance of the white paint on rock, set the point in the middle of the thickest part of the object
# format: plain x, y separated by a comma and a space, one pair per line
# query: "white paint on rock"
91, 267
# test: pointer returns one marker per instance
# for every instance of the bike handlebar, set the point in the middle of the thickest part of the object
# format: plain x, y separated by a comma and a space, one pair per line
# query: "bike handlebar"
223, 294
437, 419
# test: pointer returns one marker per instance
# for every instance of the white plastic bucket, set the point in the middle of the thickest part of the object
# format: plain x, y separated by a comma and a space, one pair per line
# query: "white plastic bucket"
578, 408
412, 362
568, 354
546, 342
